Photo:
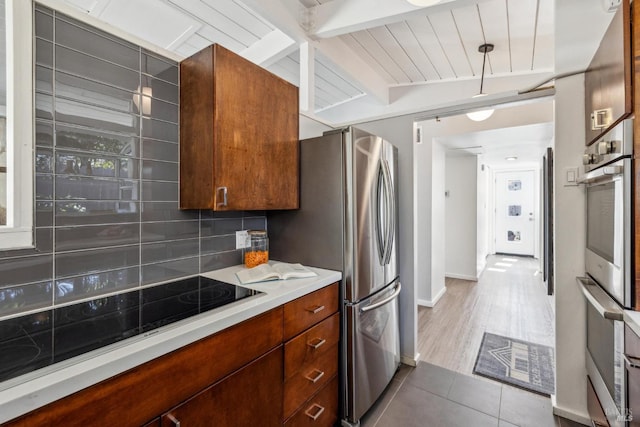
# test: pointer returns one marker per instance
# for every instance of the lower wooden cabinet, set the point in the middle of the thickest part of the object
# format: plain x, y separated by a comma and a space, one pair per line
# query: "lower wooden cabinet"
235, 377
247, 398
143, 393
312, 327
319, 411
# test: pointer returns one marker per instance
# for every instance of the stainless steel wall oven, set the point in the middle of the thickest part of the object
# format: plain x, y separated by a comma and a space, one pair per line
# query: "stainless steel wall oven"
607, 285
608, 191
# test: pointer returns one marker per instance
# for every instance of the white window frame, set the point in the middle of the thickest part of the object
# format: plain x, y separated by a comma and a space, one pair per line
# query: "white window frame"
18, 233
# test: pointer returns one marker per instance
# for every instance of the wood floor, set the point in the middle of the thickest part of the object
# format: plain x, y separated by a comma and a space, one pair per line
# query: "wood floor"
509, 299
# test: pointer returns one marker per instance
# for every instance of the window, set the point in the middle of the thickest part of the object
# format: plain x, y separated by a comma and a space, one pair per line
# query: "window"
16, 124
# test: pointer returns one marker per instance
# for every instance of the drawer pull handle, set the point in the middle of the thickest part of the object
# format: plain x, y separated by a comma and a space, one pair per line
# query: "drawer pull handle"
319, 374
174, 420
319, 342
319, 411
316, 309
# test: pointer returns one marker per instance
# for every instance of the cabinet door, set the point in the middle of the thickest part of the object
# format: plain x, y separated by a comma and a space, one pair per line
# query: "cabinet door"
250, 397
256, 154
608, 79
239, 145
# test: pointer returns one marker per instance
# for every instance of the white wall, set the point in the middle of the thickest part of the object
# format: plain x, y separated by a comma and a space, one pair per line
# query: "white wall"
461, 216
438, 243
483, 229
570, 398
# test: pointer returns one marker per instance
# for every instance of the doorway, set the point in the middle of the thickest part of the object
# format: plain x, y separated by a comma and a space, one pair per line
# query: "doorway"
516, 222
492, 244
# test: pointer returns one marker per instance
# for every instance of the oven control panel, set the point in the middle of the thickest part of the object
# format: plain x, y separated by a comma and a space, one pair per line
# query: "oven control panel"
613, 145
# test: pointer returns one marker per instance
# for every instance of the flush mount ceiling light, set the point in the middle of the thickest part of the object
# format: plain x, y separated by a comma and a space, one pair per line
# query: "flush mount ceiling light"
511, 158
423, 3
481, 115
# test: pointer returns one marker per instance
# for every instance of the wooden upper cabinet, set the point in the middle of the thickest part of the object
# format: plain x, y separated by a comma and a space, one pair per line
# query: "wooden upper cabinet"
238, 135
607, 82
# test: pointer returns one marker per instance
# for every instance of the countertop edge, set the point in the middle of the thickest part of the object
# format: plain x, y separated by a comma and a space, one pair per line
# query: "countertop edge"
74, 376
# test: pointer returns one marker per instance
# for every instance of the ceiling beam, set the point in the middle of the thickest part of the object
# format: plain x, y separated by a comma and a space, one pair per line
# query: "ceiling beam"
335, 18
285, 15
280, 16
307, 78
270, 49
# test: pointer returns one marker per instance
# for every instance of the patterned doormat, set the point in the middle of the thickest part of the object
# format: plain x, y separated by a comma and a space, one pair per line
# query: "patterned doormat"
519, 363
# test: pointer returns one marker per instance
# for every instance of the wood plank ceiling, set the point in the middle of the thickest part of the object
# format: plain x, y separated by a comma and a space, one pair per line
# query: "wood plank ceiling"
444, 46
427, 46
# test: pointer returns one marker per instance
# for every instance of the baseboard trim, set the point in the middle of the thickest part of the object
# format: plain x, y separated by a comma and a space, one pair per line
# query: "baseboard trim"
411, 361
570, 415
461, 276
480, 268
434, 301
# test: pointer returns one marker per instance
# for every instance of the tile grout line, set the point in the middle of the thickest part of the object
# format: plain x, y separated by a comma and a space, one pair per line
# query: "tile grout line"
467, 406
390, 400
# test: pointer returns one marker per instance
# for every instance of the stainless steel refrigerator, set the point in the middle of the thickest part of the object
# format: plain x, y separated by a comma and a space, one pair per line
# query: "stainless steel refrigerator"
347, 221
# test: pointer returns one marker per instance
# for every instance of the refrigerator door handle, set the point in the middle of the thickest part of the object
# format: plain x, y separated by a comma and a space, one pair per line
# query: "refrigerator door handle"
391, 213
380, 188
384, 301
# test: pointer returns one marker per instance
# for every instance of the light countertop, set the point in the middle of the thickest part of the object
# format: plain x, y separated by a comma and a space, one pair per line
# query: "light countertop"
31, 391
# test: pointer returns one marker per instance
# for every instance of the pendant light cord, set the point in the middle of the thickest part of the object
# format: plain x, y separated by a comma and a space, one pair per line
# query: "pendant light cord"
484, 60
484, 49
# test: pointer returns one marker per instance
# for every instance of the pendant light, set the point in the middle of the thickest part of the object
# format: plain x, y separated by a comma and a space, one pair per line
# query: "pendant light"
423, 3
481, 115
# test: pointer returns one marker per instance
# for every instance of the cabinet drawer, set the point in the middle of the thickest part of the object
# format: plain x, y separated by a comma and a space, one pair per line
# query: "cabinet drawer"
308, 380
320, 411
310, 309
311, 344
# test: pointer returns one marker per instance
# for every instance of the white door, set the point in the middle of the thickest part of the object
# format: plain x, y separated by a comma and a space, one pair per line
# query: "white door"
515, 214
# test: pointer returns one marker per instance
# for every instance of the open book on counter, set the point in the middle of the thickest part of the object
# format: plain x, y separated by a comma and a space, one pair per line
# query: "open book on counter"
276, 271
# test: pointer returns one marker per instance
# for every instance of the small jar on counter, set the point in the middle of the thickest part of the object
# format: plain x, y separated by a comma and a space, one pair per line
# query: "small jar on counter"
257, 251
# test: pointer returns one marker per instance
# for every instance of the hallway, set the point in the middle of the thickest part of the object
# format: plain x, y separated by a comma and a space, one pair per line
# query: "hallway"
509, 299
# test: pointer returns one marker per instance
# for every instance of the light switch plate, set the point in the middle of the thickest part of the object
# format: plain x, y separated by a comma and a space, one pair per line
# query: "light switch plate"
241, 239
571, 176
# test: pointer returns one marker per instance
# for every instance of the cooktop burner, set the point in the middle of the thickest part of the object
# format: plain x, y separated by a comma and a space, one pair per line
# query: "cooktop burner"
33, 341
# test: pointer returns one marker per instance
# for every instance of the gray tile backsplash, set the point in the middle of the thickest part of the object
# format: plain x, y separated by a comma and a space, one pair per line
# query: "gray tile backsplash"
106, 176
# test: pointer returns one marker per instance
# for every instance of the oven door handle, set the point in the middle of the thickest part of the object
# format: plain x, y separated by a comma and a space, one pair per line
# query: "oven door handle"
605, 173
603, 303
632, 362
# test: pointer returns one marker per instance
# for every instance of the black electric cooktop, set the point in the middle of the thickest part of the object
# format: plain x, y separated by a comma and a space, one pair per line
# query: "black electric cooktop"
37, 340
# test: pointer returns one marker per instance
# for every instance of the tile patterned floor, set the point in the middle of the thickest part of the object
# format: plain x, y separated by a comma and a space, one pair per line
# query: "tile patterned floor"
429, 395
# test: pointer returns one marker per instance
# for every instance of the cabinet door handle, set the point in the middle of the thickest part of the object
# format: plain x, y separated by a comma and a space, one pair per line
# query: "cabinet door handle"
224, 196
319, 374
316, 309
319, 342
319, 410
174, 420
